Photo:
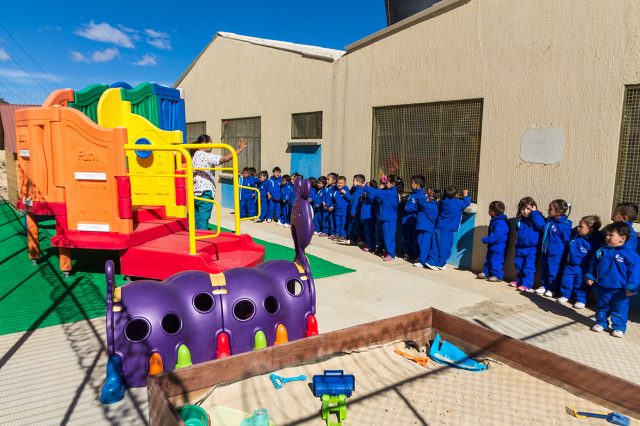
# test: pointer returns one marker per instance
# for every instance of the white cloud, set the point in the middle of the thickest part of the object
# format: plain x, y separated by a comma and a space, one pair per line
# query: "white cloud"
78, 57
19, 76
158, 39
4, 56
133, 33
148, 59
105, 33
105, 55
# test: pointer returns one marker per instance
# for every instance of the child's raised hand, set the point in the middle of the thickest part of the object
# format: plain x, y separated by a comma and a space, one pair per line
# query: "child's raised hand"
343, 191
589, 282
628, 293
533, 209
465, 192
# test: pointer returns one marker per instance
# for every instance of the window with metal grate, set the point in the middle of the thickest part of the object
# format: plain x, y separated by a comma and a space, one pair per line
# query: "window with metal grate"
438, 140
628, 175
195, 129
307, 125
248, 128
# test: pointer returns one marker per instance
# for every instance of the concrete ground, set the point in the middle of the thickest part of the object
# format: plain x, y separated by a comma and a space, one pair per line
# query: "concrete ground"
54, 375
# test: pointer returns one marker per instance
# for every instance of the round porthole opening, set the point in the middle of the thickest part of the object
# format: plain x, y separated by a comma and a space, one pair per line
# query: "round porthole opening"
244, 310
271, 305
137, 330
203, 302
294, 287
171, 323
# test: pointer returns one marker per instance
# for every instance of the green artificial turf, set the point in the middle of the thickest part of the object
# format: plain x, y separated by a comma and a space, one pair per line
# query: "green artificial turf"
39, 296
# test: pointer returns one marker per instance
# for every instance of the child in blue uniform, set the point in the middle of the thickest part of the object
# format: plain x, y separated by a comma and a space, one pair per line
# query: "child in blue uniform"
426, 214
387, 212
449, 218
246, 195
627, 212
368, 219
530, 223
555, 243
585, 241
287, 194
354, 224
263, 187
496, 241
410, 218
253, 203
328, 205
318, 211
614, 273
341, 198
274, 195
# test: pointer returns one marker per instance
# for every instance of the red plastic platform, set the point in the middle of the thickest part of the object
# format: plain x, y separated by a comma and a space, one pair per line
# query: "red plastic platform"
165, 256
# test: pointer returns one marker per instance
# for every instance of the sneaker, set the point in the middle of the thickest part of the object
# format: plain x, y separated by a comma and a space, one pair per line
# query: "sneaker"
406, 257
494, 279
260, 221
365, 249
269, 221
433, 268
443, 267
617, 333
514, 284
562, 300
315, 232
286, 225
481, 276
388, 258
579, 305
548, 293
541, 290
524, 289
321, 234
597, 328
418, 265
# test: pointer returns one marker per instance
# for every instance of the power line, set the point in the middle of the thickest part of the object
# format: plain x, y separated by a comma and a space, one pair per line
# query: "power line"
27, 72
13, 93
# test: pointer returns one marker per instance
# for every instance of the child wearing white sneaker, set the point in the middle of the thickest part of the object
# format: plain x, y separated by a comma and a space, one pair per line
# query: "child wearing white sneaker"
555, 243
585, 241
530, 224
614, 273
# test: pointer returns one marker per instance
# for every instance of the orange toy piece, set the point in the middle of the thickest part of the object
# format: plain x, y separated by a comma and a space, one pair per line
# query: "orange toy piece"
155, 364
282, 336
60, 97
420, 360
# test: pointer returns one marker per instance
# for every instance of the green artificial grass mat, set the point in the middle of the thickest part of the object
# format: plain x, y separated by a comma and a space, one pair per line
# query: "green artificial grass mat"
40, 296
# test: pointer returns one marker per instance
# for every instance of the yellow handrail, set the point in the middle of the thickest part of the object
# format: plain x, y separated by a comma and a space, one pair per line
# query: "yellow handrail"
183, 150
258, 204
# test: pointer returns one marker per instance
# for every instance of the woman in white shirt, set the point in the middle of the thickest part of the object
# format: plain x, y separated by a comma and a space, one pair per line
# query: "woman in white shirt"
203, 180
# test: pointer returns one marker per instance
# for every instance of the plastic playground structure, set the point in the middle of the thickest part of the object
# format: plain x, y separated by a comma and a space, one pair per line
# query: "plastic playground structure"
110, 163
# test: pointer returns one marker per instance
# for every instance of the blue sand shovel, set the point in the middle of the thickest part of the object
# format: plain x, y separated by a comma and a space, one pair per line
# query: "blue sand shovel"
614, 418
279, 381
447, 353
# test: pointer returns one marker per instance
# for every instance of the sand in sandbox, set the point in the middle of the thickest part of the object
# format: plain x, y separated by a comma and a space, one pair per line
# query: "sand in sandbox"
393, 391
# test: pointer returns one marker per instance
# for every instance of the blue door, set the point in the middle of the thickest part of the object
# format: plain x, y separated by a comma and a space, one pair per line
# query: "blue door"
306, 160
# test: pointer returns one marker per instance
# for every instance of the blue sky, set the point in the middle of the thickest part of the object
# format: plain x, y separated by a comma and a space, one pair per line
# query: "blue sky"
44, 46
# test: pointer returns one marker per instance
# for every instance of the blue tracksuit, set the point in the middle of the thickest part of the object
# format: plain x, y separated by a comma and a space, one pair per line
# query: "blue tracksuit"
264, 189
276, 195
632, 242
247, 196
426, 212
327, 217
448, 222
331, 217
615, 270
287, 195
496, 241
387, 215
341, 210
529, 229
253, 203
367, 217
354, 224
409, 219
555, 242
581, 249
318, 213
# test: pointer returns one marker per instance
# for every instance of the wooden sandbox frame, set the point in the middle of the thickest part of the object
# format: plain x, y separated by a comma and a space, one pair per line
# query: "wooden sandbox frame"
594, 385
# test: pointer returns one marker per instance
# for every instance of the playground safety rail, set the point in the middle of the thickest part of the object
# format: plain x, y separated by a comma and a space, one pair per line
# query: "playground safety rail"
183, 150
258, 203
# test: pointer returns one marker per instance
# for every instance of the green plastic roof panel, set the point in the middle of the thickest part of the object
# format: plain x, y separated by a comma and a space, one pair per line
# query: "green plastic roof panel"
86, 100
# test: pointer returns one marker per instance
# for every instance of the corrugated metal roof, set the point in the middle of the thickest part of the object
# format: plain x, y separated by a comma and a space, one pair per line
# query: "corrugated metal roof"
7, 113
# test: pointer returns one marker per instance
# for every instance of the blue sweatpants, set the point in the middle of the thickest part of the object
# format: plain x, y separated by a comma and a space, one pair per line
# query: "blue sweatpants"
409, 239
355, 232
425, 244
525, 262
369, 233
550, 276
285, 213
573, 284
325, 221
379, 236
494, 261
444, 244
202, 212
253, 206
612, 303
264, 208
331, 222
245, 207
274, 209
317, 220
341, 224
389, 236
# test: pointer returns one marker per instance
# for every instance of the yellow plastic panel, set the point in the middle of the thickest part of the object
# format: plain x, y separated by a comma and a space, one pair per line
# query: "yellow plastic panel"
152, 183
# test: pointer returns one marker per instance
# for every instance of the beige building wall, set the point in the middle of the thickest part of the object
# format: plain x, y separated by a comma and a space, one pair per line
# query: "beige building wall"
536, 64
